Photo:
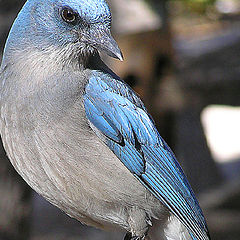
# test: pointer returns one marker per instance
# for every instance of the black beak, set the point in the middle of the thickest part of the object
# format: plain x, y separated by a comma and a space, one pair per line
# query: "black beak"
102, 40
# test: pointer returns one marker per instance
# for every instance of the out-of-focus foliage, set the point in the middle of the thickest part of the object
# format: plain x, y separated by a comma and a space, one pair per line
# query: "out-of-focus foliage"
201, 7
198, 6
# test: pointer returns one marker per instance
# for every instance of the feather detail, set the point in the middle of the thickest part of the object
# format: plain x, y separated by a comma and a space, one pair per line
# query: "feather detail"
119, 115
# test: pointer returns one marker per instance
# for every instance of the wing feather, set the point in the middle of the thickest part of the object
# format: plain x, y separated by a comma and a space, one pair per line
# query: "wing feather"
119, 115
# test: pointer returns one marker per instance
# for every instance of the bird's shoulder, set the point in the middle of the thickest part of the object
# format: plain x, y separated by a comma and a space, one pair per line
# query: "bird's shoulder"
117, 111
109, 82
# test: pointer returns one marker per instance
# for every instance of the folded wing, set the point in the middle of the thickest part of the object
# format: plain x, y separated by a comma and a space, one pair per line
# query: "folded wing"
128, 130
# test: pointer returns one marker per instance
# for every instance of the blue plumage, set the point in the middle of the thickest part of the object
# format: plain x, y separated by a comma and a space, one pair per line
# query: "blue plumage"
119, 115
77, 133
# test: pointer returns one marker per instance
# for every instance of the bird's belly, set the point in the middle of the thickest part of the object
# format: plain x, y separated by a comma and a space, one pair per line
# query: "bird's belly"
78, 174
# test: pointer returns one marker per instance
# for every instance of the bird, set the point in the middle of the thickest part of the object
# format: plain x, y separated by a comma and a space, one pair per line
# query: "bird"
79, 135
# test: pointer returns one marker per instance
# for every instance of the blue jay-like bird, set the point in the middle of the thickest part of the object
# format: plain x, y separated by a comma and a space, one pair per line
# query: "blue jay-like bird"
79, 135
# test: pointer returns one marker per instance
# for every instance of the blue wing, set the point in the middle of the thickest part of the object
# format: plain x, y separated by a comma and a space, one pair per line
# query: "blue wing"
118, 114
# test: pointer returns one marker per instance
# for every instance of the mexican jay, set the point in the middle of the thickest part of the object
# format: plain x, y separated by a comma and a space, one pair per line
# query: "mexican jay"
78, 135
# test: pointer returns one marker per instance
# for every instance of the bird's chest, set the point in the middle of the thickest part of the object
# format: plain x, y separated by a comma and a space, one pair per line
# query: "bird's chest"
35, 128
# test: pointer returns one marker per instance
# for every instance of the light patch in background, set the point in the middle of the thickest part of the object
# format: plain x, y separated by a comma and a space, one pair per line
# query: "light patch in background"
227, 6
221, 125
134, 16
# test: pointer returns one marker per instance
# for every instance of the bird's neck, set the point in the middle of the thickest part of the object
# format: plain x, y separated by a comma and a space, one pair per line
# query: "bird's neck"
51, 58
32, 70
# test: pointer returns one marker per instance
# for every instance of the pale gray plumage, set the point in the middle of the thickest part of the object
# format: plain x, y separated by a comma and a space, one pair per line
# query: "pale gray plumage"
49, 142
49, 139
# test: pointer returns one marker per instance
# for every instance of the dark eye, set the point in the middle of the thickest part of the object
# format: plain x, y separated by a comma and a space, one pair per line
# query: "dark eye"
68, 15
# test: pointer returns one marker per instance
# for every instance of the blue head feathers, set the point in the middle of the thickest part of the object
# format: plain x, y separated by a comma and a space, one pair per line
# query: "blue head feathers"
91, 11
78, 25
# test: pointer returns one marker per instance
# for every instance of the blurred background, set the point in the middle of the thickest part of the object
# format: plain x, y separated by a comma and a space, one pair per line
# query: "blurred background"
183, 59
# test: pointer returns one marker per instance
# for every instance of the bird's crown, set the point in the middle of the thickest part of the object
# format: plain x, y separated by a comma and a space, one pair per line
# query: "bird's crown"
92, 11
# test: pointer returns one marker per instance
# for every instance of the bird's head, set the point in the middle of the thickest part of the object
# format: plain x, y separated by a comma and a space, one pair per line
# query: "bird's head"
81, 26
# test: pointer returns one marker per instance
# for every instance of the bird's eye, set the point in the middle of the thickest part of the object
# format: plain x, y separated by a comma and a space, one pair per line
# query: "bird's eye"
68, 15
